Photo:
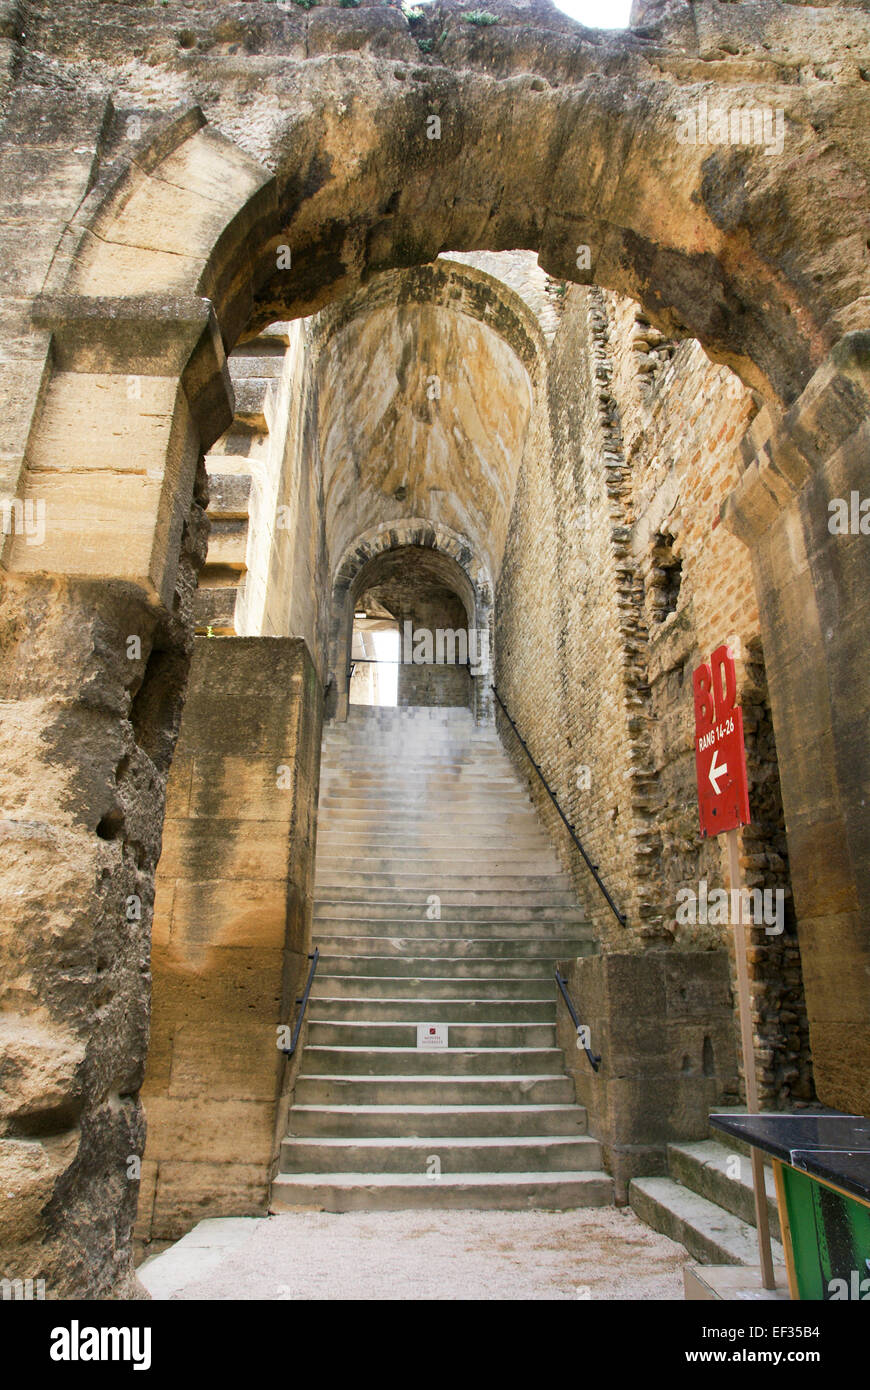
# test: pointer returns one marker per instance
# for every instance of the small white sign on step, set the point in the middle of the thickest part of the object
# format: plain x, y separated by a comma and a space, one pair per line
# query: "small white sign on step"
431, 1035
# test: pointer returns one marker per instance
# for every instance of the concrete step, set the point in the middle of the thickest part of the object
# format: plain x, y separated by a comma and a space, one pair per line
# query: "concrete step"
551, 947
475, 1191
449, 1061
404, 1034
357, 986
722, 1176
496, 1154
423, 968
710, 1234
414, 1089
420, 1121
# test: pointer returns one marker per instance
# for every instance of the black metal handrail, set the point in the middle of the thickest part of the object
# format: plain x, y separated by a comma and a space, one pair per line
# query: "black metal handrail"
388, 661
594, 1059
303, 1000
593, 868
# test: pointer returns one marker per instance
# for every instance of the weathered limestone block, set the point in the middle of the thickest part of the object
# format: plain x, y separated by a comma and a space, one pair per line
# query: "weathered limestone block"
663, 1024
82, 804
139, 388
233, 914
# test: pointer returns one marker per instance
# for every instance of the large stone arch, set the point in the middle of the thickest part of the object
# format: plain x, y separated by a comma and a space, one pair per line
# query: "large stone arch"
549, 141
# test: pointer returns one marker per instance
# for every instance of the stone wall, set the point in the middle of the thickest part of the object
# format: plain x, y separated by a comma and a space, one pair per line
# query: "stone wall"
154, 158
434, 685
617, 582
232, 925
662, 1023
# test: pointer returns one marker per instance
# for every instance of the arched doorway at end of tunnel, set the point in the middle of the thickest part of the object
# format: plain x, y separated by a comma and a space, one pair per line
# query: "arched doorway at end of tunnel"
374, 658
417, 633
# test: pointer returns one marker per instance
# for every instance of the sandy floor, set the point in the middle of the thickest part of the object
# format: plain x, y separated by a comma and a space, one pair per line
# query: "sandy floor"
587, 1254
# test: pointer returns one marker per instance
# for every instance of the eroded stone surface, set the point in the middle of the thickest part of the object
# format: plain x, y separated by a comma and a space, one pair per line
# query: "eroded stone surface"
156, 161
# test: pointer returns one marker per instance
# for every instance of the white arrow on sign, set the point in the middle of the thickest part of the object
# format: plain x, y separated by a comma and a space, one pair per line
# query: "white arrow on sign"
716, 772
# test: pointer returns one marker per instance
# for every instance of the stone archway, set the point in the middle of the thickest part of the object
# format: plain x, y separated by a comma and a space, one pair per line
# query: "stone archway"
472, 582
174, 254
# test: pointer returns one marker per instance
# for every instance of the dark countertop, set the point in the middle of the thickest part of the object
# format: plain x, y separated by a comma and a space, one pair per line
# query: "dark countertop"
835, 1148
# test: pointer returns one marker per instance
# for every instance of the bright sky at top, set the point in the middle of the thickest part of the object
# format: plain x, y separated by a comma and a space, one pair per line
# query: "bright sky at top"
597, 14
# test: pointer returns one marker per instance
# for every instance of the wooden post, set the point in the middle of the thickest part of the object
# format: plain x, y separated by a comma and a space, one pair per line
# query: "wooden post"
762, 1225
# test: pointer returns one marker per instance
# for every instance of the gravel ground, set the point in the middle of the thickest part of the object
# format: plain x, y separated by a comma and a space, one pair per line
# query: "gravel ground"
586, 1254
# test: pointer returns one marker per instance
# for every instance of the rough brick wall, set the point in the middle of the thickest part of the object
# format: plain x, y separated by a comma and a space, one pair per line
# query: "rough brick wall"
617, 582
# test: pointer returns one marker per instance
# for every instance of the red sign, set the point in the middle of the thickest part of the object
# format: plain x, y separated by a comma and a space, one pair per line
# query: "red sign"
720, 760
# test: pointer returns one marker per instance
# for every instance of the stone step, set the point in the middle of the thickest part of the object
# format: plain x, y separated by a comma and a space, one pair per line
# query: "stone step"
367, 716
439, 967
709, 1233
358, 733
723, 1176
420, 1121
415, 803
465, 832
404, 1034
496, 1154
440, 776
474, 1191
430, 809
429, 755
450, 1061
463, 907
401, 843
424, 862
384, 929
454, 947
493, 802
356, 986
371, 771
431, 1090
379, 754
422, 1010
412, 884
463, 894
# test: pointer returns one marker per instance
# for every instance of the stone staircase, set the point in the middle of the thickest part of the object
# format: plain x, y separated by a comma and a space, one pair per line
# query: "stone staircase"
707, 1202
421, 812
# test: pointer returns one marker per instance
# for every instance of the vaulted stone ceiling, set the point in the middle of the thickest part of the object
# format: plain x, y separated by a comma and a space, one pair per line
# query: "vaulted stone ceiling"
423, 412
